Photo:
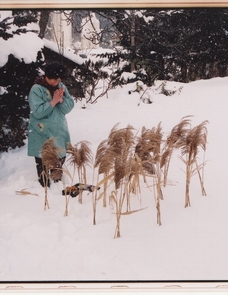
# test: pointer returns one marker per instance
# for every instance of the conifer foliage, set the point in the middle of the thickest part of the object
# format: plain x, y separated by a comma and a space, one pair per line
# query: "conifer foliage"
183, 44
16, 79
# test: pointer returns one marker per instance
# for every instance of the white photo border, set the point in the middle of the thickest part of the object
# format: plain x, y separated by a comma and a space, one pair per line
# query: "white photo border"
112, 287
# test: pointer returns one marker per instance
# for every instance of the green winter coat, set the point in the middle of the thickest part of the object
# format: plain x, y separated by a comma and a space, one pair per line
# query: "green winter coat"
47, 121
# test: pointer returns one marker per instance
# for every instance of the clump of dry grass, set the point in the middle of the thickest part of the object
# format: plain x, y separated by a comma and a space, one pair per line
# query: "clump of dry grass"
190, 145
109, 153
136, 173
122, 159
114, 158
50, 155
104, 162
148, 149
80, 157
177, 133
122, 141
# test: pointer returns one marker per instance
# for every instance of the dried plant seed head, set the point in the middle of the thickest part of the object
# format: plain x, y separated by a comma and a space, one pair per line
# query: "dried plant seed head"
178, 133
107, 162
165, 157
80, 154
85, 153
100, 153
193, 140
50, 154
121, 169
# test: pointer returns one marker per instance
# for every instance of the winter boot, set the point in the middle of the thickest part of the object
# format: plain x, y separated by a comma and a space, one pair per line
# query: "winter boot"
42, 176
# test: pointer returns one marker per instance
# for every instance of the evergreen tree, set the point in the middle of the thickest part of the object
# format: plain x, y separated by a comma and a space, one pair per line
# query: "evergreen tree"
16, 79
209, 43
177, 44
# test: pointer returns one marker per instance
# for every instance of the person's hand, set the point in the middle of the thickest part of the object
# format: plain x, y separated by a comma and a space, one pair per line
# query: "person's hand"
61, 92
57, 97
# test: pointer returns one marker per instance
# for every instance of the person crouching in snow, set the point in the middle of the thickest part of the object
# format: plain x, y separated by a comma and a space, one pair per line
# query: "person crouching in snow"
49, 102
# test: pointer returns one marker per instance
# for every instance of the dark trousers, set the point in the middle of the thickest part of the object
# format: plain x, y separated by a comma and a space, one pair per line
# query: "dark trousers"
44, 178
39, 166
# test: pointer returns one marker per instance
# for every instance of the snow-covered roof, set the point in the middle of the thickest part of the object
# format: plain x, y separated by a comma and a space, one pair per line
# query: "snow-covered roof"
23, 47
68, 53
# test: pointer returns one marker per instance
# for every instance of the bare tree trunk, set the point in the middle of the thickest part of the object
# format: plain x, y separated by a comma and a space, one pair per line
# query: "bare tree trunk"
183, 72
133, 41
44, 17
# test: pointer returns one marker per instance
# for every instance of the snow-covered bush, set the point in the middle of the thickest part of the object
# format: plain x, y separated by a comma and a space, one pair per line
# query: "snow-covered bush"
20, 57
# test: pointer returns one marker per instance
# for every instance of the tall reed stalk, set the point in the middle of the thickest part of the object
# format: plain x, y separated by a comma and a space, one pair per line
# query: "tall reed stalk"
50, 155
44, 175
201, 176
148, 149
177, 133
94, 195
67, 197
113, 156
190, 144
80, 157
104, 163
121, 142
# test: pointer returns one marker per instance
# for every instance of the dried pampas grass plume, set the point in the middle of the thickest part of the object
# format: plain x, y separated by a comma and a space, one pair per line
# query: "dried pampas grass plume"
80, 157
172, 142
80, 154
51, 159
190, 144
50, 155
104, 158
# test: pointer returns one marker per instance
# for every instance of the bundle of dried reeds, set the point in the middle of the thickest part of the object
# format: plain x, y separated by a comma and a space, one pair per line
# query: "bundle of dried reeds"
123, 158
51, 160
189, 144
134, 177
110, 154
80, 157
80, 154
114, 157
178, 132
148, 149
121, 142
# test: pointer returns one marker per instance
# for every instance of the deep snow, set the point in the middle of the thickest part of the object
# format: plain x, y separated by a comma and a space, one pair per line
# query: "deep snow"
191, 243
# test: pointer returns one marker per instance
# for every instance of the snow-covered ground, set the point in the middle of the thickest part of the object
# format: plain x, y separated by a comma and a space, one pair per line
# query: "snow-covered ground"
191, 243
